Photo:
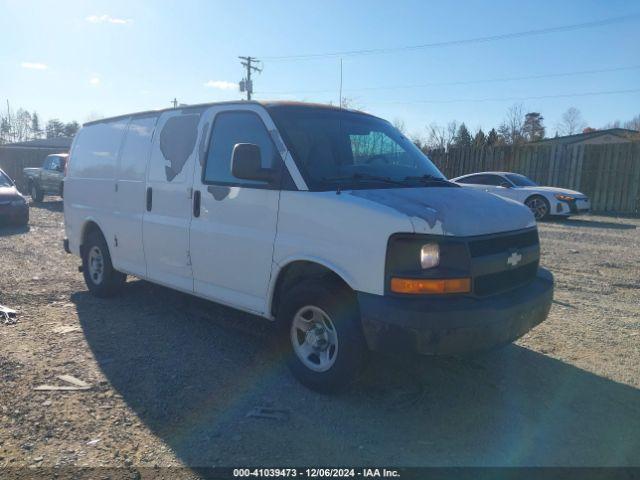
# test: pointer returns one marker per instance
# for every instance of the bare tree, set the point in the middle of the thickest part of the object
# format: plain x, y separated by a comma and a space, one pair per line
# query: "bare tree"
15, 127
571, 122
350, 103
400, 125
441, 138
511, 129
419, 141
633, 124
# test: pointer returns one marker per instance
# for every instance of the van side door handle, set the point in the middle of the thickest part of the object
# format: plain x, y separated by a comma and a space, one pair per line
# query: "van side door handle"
196, 203
149, 199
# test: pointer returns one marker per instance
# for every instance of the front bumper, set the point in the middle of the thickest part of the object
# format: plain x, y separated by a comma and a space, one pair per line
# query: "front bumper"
450, 325
14, 215
573, 207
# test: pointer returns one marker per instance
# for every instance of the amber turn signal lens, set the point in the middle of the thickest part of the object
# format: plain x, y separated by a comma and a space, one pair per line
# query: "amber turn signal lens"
431, 286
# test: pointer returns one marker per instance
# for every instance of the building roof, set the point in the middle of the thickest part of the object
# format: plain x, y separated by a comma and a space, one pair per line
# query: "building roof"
56, 142
580, 137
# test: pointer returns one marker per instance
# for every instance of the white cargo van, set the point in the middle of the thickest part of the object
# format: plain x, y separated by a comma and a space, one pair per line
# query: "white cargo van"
327, 221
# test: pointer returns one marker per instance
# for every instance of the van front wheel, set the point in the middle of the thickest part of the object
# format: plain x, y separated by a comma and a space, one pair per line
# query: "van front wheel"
325, 348
99, 275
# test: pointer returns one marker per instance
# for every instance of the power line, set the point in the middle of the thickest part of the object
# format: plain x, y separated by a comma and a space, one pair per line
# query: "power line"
467, 41
503, 99
464, 82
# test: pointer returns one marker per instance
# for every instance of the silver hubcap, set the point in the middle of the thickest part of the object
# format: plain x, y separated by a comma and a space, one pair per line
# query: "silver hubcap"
96, 265
538, 207
314, 338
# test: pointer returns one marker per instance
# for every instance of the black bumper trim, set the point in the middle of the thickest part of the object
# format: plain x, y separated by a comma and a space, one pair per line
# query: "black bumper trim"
452, 325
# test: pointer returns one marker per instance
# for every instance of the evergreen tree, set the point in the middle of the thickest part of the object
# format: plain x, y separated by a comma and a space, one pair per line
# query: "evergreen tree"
71, 128
36, 129
480, 139
533, 129
492, 138
463, 137
55, 128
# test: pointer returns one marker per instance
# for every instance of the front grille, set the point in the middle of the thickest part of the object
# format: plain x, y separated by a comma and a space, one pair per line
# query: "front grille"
505, 280
503, 243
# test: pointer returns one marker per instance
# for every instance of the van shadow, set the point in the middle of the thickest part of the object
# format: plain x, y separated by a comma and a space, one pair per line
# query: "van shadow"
51, 205
191, 370
585, 222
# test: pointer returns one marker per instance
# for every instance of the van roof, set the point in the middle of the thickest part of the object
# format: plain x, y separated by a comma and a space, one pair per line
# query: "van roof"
266, 104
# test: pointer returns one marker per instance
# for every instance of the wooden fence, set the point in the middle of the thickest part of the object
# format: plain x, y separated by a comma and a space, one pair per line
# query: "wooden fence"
608, 173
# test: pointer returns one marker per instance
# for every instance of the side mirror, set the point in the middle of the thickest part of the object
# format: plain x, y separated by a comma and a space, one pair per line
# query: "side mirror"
505, 185
246, 163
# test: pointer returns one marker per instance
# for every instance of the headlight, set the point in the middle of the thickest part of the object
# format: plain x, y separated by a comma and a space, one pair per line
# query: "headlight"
18, 202
430, 255
566, 198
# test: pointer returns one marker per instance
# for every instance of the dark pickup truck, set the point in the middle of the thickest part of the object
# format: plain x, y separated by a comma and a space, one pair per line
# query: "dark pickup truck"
47, 180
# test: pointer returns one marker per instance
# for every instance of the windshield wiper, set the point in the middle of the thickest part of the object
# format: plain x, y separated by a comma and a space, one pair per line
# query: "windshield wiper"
365, 176
428, 178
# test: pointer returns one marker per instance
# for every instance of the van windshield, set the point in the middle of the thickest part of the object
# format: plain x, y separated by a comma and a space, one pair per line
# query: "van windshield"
337, 149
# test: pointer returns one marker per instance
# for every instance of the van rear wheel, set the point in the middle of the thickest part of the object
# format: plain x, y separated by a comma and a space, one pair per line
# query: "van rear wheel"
99, 275
325, 347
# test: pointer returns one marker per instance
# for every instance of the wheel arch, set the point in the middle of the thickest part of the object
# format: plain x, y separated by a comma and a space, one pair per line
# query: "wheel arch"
299, 268
90, 225
537, 194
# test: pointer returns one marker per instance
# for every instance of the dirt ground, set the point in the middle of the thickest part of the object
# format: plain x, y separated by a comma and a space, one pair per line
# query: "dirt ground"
173, 377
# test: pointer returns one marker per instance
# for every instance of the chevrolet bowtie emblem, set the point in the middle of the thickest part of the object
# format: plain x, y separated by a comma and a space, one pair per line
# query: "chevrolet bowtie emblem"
514, 259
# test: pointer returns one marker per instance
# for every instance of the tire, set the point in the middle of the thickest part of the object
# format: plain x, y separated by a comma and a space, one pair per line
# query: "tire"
24, 220
101, 278
37, 195
539, 206
333, 352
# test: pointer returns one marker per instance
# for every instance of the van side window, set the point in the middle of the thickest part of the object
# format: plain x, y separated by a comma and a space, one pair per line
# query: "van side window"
133, 159
229, 129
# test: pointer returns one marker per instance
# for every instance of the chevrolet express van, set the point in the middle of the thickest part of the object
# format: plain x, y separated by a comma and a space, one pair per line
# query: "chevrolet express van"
328, 222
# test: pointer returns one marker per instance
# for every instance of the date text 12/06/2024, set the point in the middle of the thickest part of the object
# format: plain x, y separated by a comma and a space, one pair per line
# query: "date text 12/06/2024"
315, 473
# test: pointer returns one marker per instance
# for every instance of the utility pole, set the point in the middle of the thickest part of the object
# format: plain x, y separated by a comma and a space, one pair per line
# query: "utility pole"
246, 83
340, 98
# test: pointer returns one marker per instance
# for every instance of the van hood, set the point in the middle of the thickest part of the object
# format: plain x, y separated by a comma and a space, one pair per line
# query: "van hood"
460, 212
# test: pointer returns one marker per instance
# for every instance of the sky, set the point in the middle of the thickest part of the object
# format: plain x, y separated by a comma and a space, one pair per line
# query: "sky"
81, 60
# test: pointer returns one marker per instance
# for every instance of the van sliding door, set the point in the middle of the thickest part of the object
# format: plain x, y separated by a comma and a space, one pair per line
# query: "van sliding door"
167, 199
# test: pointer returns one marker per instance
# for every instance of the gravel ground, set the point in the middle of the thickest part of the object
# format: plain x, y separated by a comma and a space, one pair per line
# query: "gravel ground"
172, 377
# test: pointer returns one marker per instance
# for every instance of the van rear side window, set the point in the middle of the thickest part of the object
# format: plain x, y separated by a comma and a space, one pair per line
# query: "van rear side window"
96, 149
229, 129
